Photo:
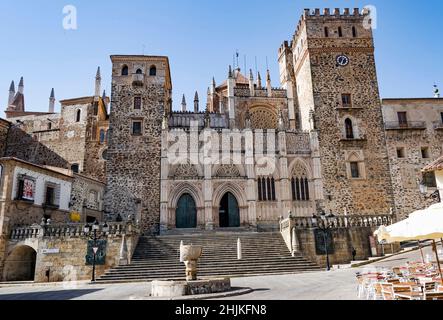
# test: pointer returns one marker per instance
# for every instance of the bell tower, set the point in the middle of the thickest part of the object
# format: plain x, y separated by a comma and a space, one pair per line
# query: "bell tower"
336, 89
141, 96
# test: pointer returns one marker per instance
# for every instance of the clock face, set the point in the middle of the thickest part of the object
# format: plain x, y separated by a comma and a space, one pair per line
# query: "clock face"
342, 60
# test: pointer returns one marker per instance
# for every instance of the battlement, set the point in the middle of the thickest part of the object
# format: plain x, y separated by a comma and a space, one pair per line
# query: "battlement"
316, 14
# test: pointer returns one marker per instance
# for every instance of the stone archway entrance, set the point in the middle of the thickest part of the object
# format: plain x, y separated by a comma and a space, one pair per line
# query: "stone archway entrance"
20, 264
229, 212
186, 213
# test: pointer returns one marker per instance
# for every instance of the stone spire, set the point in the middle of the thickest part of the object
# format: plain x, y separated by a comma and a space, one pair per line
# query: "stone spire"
104, 95
21, 86
11, 93
184, 104
251, 83
98, 83
259, 81
268, 83
196, 102
230, 74
52, 101
214, 85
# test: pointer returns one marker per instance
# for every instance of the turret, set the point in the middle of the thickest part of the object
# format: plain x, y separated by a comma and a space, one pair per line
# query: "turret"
196, 102
21, 86
11, 93
259, 81
184, 104
268, 83
98, 83
251, 83
52, 102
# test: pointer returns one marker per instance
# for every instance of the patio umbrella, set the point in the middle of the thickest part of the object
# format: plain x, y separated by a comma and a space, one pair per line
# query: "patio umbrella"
421, 225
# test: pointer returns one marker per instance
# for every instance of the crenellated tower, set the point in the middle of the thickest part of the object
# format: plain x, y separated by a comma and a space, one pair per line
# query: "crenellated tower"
331, 67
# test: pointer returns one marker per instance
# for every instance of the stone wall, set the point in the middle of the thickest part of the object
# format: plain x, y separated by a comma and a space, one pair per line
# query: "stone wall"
66, 258
133, 168
372, 192
4, 129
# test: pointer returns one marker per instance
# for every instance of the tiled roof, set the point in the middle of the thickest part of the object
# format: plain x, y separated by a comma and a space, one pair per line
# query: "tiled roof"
434, 166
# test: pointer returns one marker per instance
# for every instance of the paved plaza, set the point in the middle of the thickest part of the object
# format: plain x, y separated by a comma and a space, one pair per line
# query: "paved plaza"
333, 285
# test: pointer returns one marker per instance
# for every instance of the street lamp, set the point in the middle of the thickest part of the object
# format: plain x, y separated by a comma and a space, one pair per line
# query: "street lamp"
325, 227
93, 233
424, 192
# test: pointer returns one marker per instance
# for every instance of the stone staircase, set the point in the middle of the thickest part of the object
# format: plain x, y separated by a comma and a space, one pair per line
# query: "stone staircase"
157, 258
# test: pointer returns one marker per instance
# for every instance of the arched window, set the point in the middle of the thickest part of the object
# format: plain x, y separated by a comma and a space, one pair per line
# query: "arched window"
300, 189
266, 189
78, 116
49, 125
340, 32
102, 136
326, 32
349, 129
75, 168
153, 71
139, 71
354, 32
125, 71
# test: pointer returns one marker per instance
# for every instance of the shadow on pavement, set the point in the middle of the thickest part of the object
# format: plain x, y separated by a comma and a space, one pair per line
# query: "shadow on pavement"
49, 295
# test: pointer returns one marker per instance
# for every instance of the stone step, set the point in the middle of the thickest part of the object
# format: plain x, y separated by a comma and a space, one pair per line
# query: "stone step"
158, 257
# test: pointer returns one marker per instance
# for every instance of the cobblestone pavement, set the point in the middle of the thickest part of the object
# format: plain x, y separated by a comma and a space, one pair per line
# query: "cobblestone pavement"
333, 285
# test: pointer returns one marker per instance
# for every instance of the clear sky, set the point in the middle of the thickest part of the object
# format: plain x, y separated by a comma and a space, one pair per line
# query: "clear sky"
200, 37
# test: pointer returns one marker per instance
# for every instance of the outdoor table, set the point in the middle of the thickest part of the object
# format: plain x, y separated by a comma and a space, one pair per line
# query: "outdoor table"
410, 295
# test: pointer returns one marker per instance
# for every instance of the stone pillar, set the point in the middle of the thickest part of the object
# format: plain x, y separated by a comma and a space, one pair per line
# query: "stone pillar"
207, 194
285, 187
231, 99
319, 193
164, 195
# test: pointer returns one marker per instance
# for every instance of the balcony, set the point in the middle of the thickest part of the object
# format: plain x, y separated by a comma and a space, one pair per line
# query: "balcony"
410, 125
438, 125
138, 79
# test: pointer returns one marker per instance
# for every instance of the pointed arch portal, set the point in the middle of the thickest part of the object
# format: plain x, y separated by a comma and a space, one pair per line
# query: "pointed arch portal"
186, 212
229, 212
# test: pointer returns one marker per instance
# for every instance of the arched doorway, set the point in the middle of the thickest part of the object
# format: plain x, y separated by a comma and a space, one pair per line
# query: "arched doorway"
186, 213
229, 212
20, 264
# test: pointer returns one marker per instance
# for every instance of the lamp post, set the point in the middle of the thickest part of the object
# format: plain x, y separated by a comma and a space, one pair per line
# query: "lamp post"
325, 227
94, 233
424, 192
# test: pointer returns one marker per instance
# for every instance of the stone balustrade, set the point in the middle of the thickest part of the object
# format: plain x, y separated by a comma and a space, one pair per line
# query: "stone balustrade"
68, 230
291, 226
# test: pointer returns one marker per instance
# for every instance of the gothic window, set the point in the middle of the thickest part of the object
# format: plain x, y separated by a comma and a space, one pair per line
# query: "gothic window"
105, 155
354, 32
137, 103
266, 189
75, 168
349, 129
153, 71
139, 71
102, 136
340, 32
78, 116
125, 71
263, 118
326, 32
300, 183
355, 170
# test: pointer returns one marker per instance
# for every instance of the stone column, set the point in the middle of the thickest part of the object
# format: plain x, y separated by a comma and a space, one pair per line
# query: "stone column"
164, 194
285, 186
207, 194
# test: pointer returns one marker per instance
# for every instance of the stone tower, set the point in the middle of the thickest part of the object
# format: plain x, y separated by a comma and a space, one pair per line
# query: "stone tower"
330, 64
141, 91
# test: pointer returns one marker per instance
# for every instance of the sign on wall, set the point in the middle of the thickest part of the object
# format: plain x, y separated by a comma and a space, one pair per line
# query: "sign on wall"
323, 239
100, 258
28, 189
50, 251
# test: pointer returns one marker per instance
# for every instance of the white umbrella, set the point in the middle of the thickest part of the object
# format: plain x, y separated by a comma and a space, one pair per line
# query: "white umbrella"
421, 225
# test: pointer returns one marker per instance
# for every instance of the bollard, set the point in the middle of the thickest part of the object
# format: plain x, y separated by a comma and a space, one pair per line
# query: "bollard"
239, 250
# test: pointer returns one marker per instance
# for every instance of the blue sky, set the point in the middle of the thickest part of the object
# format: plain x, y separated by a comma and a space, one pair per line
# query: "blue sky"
200, 37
